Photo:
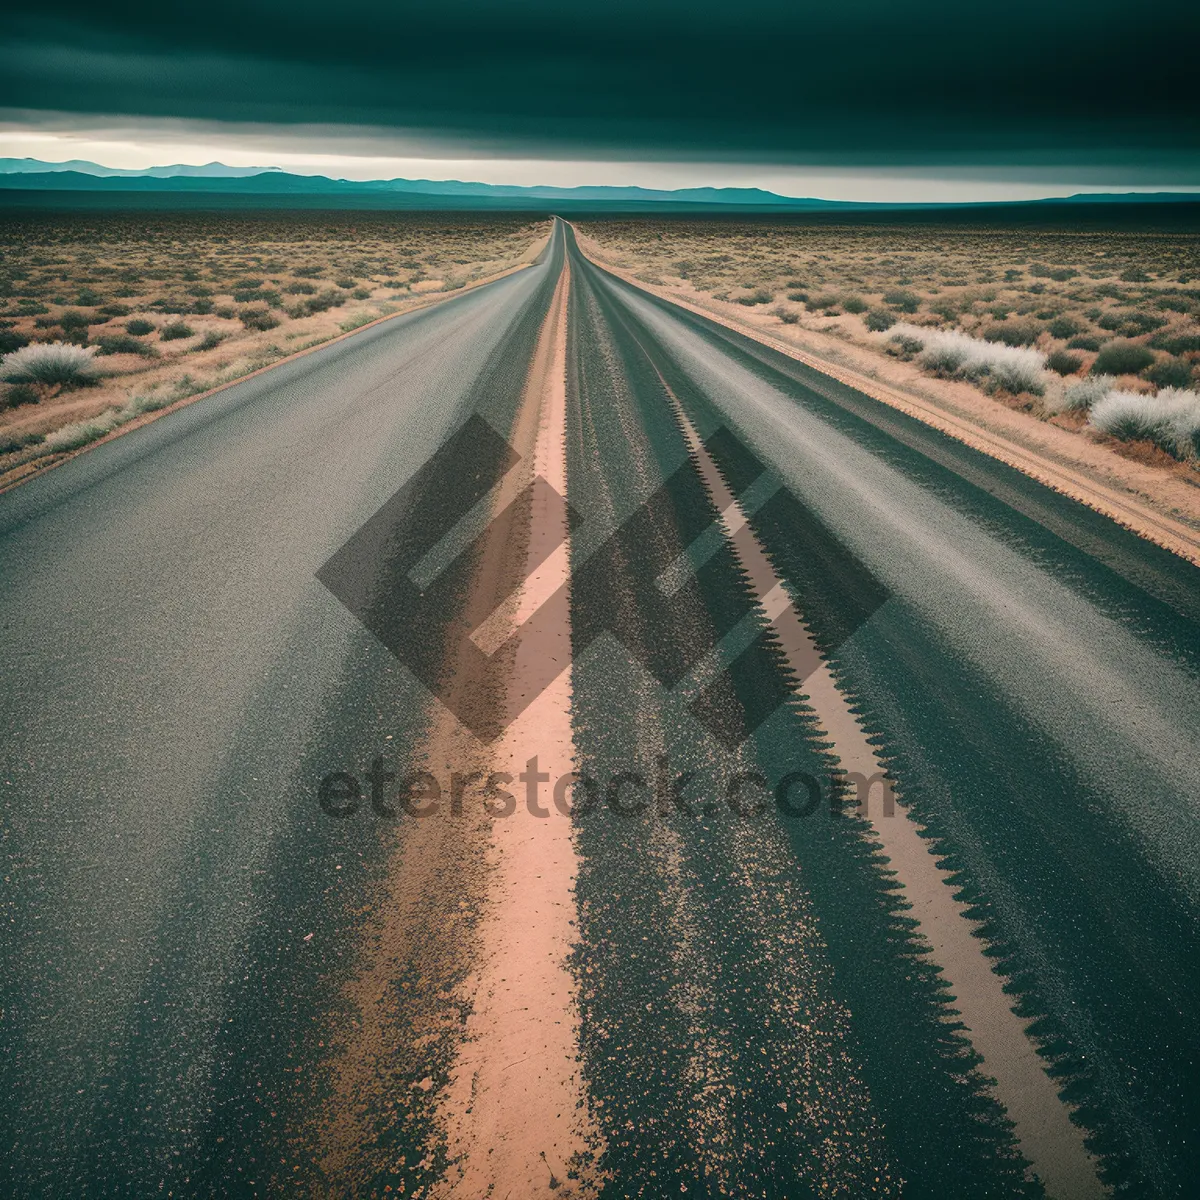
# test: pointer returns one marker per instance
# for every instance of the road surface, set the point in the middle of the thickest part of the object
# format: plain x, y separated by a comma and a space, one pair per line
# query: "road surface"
290, 907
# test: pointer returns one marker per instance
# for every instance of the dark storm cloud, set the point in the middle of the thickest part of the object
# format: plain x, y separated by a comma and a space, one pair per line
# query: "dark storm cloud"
843, 83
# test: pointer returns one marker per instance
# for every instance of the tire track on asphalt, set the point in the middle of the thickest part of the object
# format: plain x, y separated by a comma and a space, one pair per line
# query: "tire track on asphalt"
1044, 1130
739, 1070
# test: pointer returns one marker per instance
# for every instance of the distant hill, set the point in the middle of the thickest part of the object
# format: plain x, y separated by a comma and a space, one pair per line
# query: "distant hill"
26, 173
213, 170
29, 182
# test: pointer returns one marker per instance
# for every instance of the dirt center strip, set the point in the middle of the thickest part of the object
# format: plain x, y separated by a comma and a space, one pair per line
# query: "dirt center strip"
515, 1111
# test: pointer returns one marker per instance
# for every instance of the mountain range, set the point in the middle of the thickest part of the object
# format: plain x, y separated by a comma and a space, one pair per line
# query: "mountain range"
215, 184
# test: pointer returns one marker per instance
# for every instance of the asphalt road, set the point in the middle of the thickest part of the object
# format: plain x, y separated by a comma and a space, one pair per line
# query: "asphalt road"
757, 1015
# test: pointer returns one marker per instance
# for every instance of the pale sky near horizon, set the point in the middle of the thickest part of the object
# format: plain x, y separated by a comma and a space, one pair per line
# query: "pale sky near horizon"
146, 144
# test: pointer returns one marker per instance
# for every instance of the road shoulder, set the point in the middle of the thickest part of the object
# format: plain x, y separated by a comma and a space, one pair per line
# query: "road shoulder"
1161, 507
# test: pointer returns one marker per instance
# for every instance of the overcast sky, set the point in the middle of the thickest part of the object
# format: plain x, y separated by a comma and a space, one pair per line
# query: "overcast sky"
855, 99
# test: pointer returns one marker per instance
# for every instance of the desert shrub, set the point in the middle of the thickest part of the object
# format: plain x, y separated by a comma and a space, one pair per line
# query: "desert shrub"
201, 307
1171, 420
907, 341
1135, 321
902, 300
246, 285
258, 318
300, 289
114, 310
175, 330
309, 272
170, 304
758, 296
50, 363
323, 301
251, 295
211, 340
347, 283
365, 294
1059, 274
1169, 373
139, 327
822, 303
879, 319
949, 352
1081, 396
10, 340
1122, 358
20, 393
148, 402
1083, 341
786, 315
122, 343
1064, 363
72, 437
946, 356
1179, 343
11, 444
1134, 275
854, 304
1063, 327
798, 297
1012, 333
74, 320
198, 289
89, 298
1180, 304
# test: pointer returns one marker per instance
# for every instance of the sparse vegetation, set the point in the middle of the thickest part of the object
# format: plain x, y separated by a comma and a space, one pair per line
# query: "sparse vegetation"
1169, 373
1170, 420
1080, 397
224, 278
949, 352
19, 394
902, 301
53, 363
258, 318
122, 343
1122, 358
1063, 362
1012, 333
